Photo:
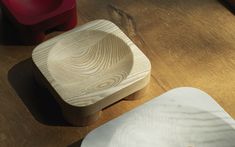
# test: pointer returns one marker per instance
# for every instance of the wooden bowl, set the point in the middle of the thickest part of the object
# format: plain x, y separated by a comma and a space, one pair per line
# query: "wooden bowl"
185, 117
90, 68
33, 18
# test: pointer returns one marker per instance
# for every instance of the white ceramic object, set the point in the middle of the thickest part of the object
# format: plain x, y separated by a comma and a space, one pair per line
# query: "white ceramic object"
90, 68
182, 117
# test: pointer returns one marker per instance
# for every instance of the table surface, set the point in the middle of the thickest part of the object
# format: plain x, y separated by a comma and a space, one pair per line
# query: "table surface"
189, 43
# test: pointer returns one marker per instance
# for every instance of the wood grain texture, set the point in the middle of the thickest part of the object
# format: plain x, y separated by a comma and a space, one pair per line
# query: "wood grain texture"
91, 67
135, 18
169, 120
187, 44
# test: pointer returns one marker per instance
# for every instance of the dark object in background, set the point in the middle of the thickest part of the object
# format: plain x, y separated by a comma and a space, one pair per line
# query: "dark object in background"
34, 17
230, 4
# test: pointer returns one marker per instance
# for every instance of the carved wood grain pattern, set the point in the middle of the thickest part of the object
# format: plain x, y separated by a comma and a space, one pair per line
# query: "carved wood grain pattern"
92, 62
90, 65
170, 120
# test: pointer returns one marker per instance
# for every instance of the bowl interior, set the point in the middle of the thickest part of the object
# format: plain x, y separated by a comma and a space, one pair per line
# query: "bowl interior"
89, 61
165, 126
33, 7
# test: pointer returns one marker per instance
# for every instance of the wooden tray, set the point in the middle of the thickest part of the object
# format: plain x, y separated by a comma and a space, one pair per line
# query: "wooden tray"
33, 18
182, 117
90, 68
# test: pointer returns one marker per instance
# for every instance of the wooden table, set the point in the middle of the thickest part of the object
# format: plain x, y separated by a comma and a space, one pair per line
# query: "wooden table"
189, 43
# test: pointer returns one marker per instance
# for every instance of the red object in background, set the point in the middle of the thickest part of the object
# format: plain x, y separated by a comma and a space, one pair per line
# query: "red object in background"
33, 17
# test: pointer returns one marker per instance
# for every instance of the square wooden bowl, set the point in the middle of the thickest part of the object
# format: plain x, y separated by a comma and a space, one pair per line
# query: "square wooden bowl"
182, 117
90, 68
